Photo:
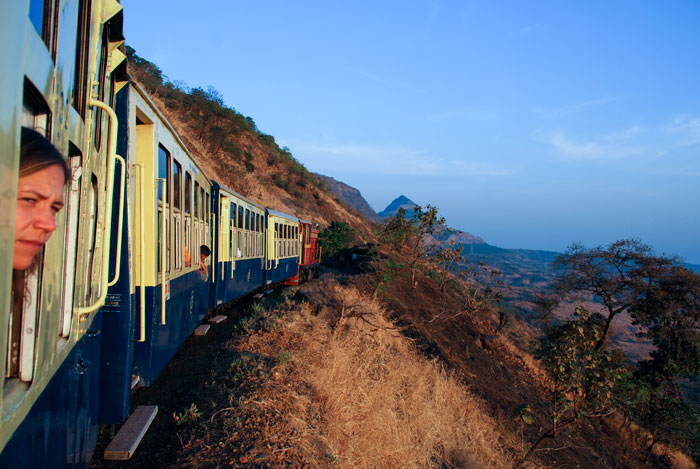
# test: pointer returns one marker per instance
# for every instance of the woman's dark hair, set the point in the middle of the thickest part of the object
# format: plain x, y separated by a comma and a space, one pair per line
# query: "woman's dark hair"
204, 250
36, 153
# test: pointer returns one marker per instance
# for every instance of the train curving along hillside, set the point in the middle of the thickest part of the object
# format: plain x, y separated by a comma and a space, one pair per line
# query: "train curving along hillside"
146, 244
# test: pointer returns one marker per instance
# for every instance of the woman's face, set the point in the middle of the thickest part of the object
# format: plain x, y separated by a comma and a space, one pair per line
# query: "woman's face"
39, 198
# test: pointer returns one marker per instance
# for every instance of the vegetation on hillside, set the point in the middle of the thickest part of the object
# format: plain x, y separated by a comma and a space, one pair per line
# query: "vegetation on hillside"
593, 378
237, 153
373, 374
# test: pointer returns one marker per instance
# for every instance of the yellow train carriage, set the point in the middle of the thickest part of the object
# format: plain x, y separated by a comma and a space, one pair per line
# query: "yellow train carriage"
282, 260
169, 220
62, 63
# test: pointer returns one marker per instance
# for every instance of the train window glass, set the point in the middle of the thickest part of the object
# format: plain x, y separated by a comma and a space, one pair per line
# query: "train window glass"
247, 219
36, 14
240, 217
35, 111
164, 172
43, 14
177, 185
81, 87
188, 193
72, 224
92, 237
206, 208
196, 200
234, 209
177, 215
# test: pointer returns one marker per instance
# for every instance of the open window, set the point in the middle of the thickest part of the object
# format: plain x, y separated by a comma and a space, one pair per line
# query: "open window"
81, 86
164, 163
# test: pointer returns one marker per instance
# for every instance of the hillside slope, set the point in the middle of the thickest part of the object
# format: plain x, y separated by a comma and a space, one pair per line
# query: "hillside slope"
368, 369
236, 153
350, 196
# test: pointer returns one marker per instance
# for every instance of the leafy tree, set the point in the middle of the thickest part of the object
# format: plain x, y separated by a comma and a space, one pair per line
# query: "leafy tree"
415, 238
584, 377
336, 237
670, 314
397, 230
662, 297
618, 274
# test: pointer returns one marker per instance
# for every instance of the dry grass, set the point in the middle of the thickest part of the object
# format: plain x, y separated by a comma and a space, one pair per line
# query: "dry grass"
379, 403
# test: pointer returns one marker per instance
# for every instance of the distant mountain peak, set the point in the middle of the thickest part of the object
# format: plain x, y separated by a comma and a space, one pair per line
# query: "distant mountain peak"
400, 202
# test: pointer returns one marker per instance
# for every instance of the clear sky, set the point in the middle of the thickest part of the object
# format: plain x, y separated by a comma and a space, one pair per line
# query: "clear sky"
532, 124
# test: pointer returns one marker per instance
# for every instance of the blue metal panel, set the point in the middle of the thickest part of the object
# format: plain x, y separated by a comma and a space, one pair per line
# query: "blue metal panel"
247, 277
118, 312
163, 340
286, 268
61, 428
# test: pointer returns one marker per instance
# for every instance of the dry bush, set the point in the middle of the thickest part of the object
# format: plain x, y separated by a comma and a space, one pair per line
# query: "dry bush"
381, 403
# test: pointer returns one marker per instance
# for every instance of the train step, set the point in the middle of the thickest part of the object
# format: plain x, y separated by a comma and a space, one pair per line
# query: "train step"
123, 446
202, 330
217, 319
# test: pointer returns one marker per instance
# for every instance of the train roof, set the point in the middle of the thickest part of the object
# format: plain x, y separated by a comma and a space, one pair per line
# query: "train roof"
232, 192
282, 214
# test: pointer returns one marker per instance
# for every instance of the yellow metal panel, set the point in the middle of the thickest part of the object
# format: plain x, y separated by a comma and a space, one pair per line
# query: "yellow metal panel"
117, 58
109, 9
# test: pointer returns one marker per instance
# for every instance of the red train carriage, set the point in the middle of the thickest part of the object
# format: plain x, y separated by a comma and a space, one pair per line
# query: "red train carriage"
309, 254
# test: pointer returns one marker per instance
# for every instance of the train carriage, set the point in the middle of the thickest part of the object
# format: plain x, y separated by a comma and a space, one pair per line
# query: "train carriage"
62, 65
169, 219
282, 259
118, 287
309, 253
239, 254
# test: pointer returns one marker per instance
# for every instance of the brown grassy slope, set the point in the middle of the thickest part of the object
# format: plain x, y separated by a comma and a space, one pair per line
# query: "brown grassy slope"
348, 391
248, 161
498, 368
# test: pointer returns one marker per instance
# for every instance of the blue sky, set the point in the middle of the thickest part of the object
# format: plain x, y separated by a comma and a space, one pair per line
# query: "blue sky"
530, 124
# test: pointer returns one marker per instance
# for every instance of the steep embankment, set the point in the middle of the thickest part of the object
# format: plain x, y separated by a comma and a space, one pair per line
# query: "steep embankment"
233, 151
350, 196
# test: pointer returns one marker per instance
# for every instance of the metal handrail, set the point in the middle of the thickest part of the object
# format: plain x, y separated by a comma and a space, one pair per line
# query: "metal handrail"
107, 233
117, 267
142, 259
162, 253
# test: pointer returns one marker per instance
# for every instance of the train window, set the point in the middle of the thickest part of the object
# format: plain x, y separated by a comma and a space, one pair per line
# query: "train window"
232, 230
240, 217
206, 208
188, 219
92, 237
196, 200
44, 16
81, 87
73, 225
164, 172
35, 111
188, 193
177, 185
247, 219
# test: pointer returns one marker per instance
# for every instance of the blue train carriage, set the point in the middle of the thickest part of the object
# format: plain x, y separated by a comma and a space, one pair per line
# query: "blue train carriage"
169, 218
239, 248
62, 64
282, 254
